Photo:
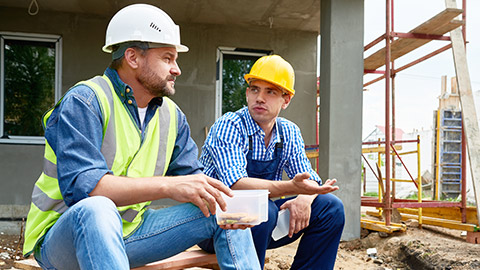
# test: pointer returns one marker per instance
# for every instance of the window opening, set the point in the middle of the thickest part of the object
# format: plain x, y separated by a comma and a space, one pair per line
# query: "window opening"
233, 64
29, 84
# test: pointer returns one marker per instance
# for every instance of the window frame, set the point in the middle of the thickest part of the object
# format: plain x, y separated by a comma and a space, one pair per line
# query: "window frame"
221, 51
58, 79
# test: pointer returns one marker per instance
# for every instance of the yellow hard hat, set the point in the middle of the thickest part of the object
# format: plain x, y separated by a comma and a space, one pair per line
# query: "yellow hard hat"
275, 70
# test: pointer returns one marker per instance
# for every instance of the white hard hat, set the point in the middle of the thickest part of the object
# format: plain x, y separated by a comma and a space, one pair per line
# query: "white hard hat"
144, 23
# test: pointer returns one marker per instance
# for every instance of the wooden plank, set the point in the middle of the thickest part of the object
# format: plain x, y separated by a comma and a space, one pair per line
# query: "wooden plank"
469, 115
451, 213
312, 154
445, 223
438, 25
442, 18
28, 264
380, 226
183, 260
403, 46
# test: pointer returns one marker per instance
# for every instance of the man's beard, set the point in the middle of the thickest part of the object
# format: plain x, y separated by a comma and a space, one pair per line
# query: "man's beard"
154, 84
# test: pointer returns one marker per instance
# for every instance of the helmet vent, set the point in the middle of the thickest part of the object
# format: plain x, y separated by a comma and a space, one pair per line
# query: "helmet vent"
154, 26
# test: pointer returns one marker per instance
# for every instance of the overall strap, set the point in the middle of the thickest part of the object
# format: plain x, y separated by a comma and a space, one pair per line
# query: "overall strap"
245, 125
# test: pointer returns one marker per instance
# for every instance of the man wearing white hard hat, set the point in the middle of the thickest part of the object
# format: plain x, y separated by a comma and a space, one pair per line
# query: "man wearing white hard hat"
116, 142
252, 147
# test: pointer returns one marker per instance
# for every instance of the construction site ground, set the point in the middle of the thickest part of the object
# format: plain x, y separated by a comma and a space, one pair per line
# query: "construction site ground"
428, 248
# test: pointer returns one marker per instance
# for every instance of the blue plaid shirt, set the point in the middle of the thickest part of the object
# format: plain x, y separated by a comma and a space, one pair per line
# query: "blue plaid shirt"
225, 150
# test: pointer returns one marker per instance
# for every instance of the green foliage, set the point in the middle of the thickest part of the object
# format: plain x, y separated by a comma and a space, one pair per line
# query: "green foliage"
414, 196
370, 194
29, 86
362, 176
457, 199
234, 85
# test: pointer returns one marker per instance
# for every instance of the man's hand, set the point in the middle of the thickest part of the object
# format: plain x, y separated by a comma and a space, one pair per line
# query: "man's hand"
300, 210
303, 185
201, 190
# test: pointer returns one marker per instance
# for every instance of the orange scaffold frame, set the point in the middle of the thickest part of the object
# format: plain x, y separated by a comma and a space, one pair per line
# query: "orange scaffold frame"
388, 202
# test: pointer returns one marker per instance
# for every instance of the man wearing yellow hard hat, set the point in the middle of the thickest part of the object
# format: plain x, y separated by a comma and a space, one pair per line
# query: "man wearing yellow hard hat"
249, 148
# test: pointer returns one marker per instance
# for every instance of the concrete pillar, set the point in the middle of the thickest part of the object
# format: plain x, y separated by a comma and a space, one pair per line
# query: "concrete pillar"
341, 79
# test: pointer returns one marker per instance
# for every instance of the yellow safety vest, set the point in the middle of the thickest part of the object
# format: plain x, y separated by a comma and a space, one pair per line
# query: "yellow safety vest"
124, 152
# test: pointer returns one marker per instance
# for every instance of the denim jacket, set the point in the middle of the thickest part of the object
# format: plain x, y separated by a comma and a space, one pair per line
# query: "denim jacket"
74, 131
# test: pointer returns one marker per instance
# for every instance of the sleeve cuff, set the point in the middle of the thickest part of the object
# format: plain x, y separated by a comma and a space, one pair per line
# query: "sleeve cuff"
233, 176
84, 184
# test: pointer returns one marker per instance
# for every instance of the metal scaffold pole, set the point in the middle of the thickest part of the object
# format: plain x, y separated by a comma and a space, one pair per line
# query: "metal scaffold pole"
387, 199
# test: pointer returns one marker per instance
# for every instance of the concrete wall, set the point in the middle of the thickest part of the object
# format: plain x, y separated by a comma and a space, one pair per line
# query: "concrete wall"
83, 37
21, 164
341, 73
196, 86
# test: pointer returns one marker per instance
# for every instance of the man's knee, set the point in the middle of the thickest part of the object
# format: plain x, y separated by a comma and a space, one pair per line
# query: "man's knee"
331, 206
97, 209
339, 210
96, 203
336, 204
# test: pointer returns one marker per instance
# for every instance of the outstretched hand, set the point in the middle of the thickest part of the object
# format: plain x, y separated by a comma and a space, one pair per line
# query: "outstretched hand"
305, 186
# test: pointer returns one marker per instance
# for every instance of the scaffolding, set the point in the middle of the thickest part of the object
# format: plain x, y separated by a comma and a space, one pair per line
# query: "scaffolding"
396, 45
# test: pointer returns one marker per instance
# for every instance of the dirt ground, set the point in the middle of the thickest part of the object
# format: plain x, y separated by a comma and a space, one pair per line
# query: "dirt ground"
9, 250
427, 248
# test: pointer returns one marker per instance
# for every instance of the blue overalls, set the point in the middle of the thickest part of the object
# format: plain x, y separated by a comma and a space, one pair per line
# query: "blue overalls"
318, 247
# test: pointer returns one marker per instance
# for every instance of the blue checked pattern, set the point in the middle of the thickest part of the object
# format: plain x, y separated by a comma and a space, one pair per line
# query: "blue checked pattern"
225, 149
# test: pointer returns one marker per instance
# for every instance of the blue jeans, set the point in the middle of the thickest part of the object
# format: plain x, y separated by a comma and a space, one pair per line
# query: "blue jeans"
319, 244
89, 236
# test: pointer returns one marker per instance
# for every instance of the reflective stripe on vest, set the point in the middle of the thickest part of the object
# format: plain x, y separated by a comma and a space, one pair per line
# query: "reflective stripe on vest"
45, 203
49, 168
136, 158
109, 144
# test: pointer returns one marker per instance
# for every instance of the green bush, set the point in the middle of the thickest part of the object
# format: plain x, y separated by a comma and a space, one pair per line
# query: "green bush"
370, 194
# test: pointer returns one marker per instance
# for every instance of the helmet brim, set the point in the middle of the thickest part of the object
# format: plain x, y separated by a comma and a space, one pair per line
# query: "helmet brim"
250, 77
178, 47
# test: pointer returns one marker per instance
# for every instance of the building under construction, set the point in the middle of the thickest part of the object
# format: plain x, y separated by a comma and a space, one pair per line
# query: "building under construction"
455, 128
